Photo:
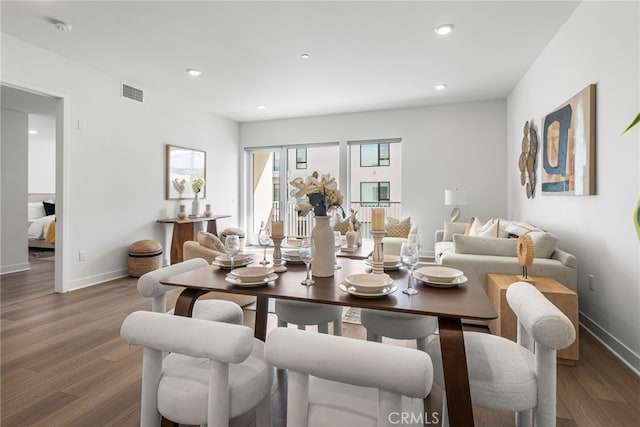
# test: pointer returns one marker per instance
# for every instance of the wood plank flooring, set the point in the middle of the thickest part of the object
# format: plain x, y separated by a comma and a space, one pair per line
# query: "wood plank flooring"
63, 362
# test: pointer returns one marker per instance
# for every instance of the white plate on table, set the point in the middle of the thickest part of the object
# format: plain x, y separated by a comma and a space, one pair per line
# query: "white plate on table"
236, 281
236, 264
440, 284
369, 283
251, 274
386, 266
436, 273
351, 290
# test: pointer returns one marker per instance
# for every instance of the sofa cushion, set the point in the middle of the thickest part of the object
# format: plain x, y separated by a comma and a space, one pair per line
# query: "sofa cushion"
519, 228
398, 228
544, 244
211, 241
451, 228
443, 248
481, 245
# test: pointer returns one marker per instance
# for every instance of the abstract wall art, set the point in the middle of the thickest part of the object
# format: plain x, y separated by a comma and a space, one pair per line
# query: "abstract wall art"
569, 147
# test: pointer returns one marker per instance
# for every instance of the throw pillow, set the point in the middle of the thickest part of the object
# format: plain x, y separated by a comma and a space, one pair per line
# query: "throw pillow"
490, 229
520, 228
35, 210
397, 228
451, 228
475, 227
211, 241
49, 208
480, 245
544, 244
341, 226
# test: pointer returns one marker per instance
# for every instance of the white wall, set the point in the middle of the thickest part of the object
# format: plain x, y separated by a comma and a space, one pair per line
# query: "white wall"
461, 145
14, 254
115, 166
598, 44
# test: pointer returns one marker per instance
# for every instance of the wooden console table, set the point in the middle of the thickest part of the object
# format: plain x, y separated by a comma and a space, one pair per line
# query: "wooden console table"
186, 229
561, 296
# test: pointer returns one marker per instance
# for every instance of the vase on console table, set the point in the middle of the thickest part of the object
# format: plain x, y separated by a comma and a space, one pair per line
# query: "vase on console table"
182, 213
195, 205
207, 210
323, 264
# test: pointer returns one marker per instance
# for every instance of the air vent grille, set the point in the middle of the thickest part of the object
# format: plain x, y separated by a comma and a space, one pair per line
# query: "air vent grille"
132, 93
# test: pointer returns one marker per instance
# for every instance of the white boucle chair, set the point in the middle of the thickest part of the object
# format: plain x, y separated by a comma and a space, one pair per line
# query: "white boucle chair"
214, 371
519, 377
338, 381
304, 314
399, 326
149, 286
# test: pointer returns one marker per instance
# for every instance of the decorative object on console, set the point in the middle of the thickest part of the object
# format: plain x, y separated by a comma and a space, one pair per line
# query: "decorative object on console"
455, 198
182, 213
525, 256
569, 146
528, 159
197, 185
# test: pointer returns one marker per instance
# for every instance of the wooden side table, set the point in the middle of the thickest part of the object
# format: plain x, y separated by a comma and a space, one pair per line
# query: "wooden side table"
561, 296
186, 229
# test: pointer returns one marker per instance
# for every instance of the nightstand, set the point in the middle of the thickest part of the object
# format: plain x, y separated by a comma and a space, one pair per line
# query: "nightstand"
561, 296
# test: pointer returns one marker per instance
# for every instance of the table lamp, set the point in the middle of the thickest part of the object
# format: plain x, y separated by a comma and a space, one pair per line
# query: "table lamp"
455, 198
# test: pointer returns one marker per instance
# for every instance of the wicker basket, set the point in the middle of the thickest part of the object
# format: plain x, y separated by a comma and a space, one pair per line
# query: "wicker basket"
144, 256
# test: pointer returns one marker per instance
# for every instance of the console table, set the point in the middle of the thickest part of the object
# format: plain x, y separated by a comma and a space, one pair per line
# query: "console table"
561, 296
186, 229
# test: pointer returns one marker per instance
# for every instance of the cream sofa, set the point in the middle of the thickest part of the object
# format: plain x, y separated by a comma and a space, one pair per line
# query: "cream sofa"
481, 255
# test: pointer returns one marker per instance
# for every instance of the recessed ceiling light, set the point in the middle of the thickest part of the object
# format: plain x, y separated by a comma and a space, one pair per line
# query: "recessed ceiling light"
444, 29
194, 72
33, 132
261, 107
304, 56
440, 86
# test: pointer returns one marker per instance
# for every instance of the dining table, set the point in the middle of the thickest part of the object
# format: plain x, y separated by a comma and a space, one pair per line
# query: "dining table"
450, 305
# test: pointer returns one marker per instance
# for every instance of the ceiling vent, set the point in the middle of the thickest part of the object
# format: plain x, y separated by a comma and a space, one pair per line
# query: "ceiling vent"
132, 93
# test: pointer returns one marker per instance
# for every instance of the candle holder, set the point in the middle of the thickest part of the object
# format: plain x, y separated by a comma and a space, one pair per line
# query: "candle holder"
377, 259
278, 263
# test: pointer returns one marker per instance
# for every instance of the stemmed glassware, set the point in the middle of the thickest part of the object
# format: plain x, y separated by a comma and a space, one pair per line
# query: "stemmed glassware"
410, 257
307, 254
337, 240
264, 239
232, 246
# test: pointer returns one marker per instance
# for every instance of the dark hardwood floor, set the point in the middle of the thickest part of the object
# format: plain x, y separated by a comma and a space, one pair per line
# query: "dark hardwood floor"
63, 362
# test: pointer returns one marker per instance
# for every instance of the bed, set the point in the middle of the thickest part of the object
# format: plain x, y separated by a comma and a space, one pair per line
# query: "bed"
41, 219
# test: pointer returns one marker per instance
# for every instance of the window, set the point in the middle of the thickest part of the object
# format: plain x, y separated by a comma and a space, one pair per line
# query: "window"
276, 161
301, 158
372, 155
375, 192
276, 192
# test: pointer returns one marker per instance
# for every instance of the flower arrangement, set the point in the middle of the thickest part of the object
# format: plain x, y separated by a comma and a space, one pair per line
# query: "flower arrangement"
353, 220
322, 195
197, 185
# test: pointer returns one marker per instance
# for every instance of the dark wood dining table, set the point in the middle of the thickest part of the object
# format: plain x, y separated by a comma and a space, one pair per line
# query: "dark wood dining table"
449, 305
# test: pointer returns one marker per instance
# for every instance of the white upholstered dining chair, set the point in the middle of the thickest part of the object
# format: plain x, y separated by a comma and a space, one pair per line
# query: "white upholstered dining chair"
402, 326
214, 371
519, 377
149, 286
338, 381
305, 314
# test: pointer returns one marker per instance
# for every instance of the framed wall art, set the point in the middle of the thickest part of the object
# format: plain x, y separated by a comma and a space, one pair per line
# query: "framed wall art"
569, 147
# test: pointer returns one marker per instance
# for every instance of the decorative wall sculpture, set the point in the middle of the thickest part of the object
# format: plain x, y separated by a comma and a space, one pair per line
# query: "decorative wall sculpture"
569, 146
528, 159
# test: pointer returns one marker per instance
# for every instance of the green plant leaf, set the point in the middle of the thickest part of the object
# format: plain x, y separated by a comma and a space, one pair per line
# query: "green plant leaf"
633, 123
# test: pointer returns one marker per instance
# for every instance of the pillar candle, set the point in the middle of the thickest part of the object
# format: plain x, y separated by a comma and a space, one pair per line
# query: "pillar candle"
277, 228
377, 219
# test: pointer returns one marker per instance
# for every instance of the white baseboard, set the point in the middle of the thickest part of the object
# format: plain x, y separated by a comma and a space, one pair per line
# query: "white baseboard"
97, 279
617, 348
15, 268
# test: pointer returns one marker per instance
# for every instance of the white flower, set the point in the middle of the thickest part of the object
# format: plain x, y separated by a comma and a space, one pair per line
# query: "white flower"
197, 185
318, 193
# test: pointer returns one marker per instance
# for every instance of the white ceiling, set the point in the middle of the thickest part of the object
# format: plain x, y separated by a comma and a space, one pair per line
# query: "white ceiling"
363, 55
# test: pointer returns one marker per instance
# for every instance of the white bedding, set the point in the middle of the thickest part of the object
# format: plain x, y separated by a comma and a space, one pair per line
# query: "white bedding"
39, 227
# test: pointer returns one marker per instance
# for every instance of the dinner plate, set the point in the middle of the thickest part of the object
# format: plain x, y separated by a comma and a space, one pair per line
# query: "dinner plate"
251, 274
440, 284
236, 264
224, 258
369, 283
293, 260
293, 254
351, 290
236, 281
440, 274
385, 266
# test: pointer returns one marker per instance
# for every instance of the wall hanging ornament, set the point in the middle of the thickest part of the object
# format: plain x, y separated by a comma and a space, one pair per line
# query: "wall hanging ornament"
527, 162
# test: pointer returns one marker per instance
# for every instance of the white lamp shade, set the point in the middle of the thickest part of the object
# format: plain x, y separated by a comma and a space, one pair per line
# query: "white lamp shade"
456, 197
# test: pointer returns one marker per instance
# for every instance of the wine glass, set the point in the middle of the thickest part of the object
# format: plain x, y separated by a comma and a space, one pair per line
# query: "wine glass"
410, 257
337, 240
264, 239
307, 254
232, 246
